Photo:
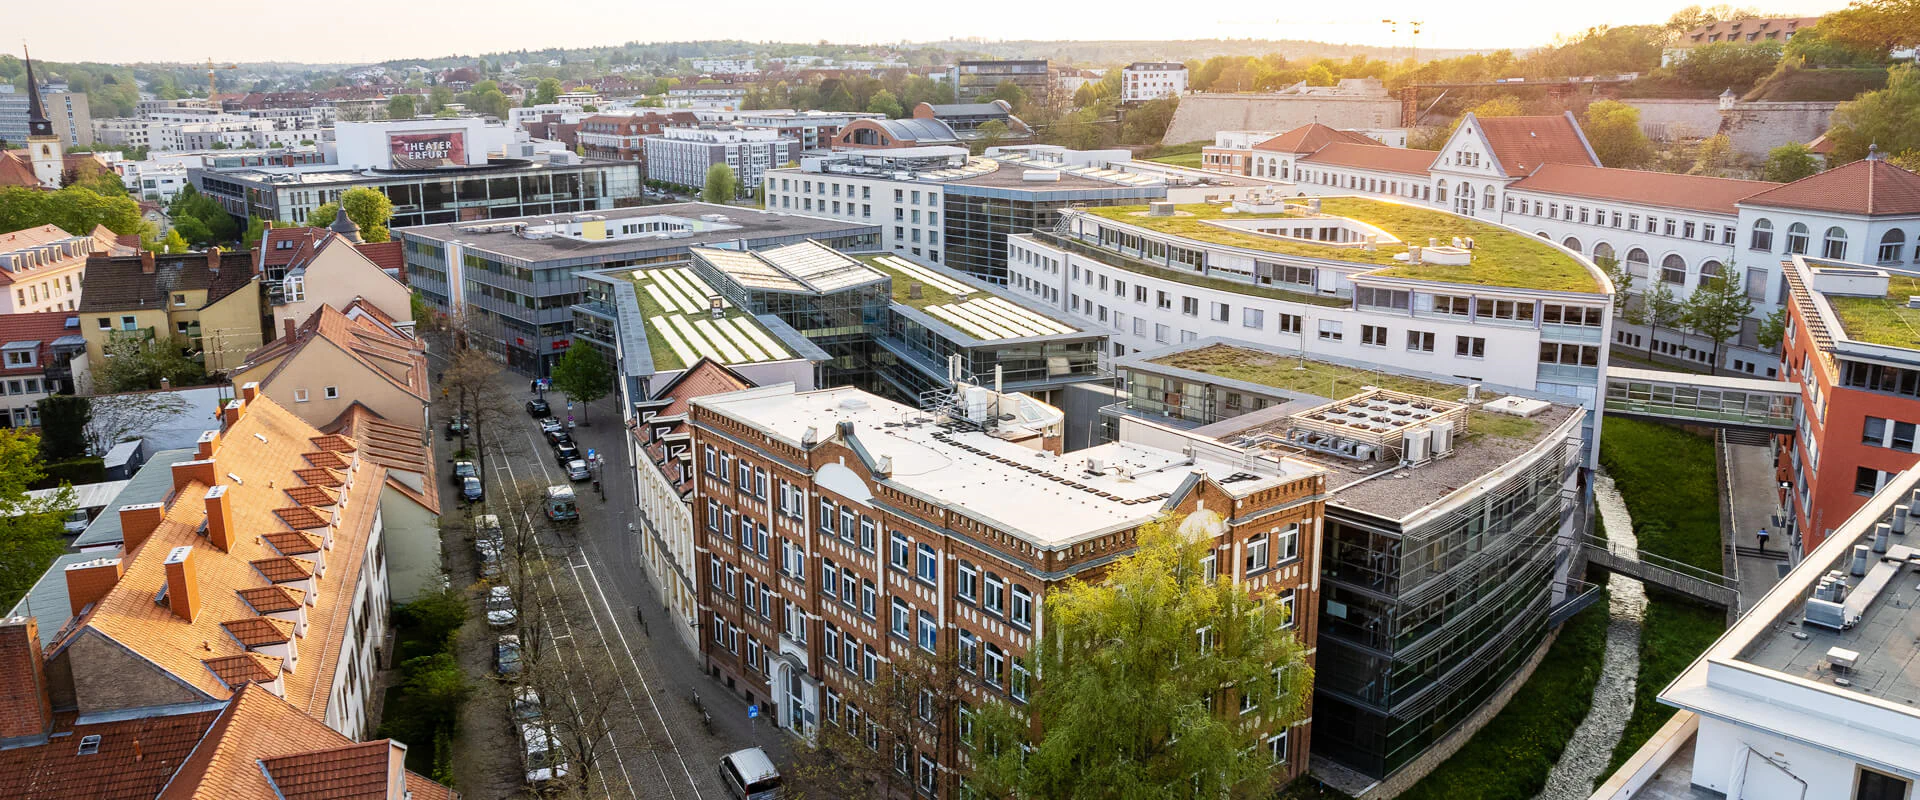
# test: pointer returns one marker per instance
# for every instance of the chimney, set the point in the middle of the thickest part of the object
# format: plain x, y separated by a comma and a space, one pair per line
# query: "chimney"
249, 391
213, 260
230, 415
137, 522
23, 680
88, 581
220, 529
183, 584
146, 262
208, 444
286, 326
203, 470
166, 384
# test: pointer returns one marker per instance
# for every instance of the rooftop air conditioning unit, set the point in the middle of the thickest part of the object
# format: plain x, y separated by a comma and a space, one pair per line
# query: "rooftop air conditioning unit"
1831, 615
1442, 438
1414, 445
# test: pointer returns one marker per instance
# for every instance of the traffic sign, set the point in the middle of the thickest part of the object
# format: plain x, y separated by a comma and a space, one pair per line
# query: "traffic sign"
753, 711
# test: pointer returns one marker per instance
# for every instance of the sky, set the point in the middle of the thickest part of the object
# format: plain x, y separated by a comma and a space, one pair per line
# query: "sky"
359, 31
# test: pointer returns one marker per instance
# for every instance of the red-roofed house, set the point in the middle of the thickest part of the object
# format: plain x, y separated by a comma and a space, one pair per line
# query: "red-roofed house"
305, 268
41, 267
333, 361
40, 354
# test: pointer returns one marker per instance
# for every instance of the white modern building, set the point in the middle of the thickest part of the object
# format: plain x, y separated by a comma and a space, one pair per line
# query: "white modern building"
682, 156
1812, 693
1141, 81
724, 66
813, 129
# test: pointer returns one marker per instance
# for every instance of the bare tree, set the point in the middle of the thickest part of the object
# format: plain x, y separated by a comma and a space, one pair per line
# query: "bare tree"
912, 707
119, 417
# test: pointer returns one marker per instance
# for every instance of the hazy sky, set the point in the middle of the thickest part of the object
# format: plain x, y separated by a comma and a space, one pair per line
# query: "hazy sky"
377, 30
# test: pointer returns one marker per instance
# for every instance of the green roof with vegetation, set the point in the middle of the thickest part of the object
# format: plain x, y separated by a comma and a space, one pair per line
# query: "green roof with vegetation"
664, 357
1882, 320
1502, 256
930, 295
1318, 378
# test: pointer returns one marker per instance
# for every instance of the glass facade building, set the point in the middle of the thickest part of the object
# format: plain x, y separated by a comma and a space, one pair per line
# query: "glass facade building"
980, 218
505, 189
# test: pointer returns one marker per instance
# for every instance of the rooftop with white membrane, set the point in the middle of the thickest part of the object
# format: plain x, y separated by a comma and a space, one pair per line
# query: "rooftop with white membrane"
805, 267
1047, 500
966, 306
680, 315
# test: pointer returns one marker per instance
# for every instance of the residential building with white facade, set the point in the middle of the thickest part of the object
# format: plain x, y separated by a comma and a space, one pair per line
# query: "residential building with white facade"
1141, 81
725, 66
814, 130
682, 156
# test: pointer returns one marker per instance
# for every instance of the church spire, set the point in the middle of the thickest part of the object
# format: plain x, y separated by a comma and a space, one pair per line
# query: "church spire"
38, 124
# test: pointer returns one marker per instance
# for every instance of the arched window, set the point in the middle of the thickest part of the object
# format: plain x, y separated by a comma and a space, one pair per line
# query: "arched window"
1637, 263
1486, 200
1709, 269
1762, 236
1892, 243
1544, 235
1463, 200
1602, 250
1673, 269
1797, 239
1572, 244
1440, 192
1834, 244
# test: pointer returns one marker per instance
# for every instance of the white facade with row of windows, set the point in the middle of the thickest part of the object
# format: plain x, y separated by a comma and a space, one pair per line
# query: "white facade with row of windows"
908, 213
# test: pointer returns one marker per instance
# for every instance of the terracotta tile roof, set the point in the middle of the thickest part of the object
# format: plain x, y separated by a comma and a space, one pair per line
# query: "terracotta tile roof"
281, 569
258, 631
104, 242
1663, 189
1738, 29
354, 772
283, 246
271, 599
395, 359
1310, 137
333, 443
1372, 156
136, 757
705, 377
258, 729
117, 282
326, 459
311, 495
16, 167
1868, 187
1820, 145
42, 327
359, 307
241, 669
263, 448
386, 255
292, 543
1523, 144
400, 448
320, 476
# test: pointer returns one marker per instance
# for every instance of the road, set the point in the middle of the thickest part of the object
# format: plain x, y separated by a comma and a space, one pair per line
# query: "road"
661, 749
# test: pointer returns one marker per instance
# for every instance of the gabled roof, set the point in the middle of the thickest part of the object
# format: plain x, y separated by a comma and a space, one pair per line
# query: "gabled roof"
292, 247
396, 360
387, 255
16, 167
54, 244
1522, 144
1868, 187
118, 283
134, 760
1662, 189
40, 328
1310, 137
1372, 156
353, 772
705, 377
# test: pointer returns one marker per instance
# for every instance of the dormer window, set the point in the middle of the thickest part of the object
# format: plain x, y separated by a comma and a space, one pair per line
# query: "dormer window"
20, 357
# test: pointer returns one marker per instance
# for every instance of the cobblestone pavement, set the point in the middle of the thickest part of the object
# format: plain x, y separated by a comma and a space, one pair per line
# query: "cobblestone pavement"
1591, 748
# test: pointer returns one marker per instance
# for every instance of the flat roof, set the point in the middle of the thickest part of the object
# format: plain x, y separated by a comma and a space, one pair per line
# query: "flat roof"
1887, 320
979, 312
682, 328
807, 266
151, 484
308, 174
47, 601
1011, 174
748, 224
1050, 501
1501, 257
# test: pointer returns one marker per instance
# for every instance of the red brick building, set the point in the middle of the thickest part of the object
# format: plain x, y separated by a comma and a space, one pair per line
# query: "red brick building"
618, 137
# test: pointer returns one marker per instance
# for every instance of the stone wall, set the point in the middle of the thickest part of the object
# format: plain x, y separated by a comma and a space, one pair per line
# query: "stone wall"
1202, 115
1754, 127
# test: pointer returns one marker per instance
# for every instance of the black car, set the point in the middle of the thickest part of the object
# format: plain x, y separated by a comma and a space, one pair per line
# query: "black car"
538, 408
463, 470
557, 438
459, 426
565, 453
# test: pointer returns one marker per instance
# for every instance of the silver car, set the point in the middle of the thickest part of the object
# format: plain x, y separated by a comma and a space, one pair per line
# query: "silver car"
577, 470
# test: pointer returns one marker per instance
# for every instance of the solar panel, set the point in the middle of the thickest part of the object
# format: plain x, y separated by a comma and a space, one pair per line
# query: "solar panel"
695, 340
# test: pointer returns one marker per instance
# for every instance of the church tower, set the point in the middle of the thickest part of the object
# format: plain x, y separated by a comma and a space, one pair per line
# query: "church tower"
43, 147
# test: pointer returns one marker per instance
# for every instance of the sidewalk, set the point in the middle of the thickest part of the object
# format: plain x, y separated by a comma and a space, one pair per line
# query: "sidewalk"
1756, 507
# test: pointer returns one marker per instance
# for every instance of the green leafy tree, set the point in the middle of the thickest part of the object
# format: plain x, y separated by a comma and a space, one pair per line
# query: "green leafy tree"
1815, 48
584, 375
1319, 75
1148, 123
63, 426
1716, 309
368, 208
1773, 329
437, 98
884, 102
400, 106
1613, 129
1133, 703
1889, 118
546, 91
30, 529
1658, 308
136, 364
190, 230
1713, 156
1875, 25
1012, 93
75, 209
1622, 281
1728, 65
172, 242
1790, 162
992, 133
721, 186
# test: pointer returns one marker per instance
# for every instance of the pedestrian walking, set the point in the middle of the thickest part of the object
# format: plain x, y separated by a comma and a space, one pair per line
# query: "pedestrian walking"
1761, 536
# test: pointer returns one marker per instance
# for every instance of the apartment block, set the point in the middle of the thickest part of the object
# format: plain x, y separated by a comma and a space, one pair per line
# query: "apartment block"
682, 156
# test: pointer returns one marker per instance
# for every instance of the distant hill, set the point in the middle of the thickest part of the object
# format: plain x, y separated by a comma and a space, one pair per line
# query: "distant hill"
1117, 51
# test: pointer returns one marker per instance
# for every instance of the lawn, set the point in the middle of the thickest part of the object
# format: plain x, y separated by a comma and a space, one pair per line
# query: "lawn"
1668, 478
1179, 155
1188, 160
1510, 758
1676, 632
1502, 257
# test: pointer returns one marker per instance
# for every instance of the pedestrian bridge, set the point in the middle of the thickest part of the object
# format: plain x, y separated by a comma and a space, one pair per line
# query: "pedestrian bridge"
1702, 399
1677, 576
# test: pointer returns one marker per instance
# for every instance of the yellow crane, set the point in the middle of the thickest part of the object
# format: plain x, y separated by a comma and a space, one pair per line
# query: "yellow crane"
212, 70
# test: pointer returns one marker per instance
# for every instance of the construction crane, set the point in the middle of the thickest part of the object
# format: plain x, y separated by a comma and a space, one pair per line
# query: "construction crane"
212, 70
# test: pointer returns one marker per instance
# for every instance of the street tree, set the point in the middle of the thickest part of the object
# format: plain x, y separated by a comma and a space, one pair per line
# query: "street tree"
1133, 703
1658, 308
116, 418
1773, 329
368, 208
1790, 162
30, 528
913, 703
63, 426
1717, 308
400, 107
584, 374
135, 364
721, 187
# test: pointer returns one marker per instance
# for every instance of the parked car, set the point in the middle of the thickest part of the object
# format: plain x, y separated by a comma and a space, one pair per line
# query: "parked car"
560, 505
500, 610
472, 491
527, 707
750, 775
577, 470
538, 408
460, 424
462, 470
557, 438
549, 425
506, 655
565, 452
487, 556
487, 527
546, 762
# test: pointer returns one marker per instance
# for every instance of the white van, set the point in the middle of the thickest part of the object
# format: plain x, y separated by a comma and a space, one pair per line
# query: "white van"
749, 775
546, 762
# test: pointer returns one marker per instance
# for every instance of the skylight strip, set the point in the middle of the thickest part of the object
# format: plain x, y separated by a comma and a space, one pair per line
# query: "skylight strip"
697, 341
719, 339
679, 348
766, 340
